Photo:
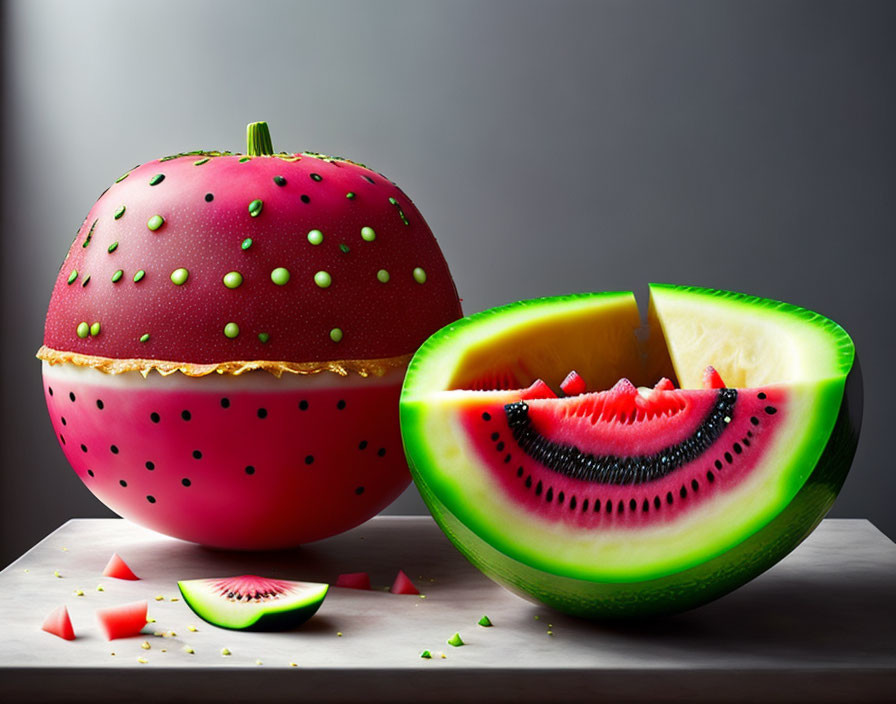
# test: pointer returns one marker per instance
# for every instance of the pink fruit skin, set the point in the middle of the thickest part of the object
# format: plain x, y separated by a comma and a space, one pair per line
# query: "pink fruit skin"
124, 621
274, 469
353, 580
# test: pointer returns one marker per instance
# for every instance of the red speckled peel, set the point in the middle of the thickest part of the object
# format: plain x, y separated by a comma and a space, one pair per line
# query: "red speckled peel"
185, 323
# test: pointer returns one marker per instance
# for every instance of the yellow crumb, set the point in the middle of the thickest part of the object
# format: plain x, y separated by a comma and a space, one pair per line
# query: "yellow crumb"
150, 619
56, 574
192, 628
188, 649
293, 664
423, 596
259, 662
339, 633
99, 588
443, 656
225, 651
145, 645
164, 650
142, 661
174, 598
79, 592
550, 633
64, 549
160, 598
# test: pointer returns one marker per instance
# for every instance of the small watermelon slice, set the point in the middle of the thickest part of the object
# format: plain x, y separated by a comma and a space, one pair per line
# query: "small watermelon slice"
573, 384
59, 624
353, 580
122, 621
633, 500
118, 568
252, 603
403, 584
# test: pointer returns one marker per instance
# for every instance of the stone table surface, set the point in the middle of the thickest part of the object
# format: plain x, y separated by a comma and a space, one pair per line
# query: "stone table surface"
820, 626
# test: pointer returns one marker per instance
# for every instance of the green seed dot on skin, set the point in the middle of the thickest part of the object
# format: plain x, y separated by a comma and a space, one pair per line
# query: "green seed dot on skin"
419, 275
280, 276
157, 179
382, 276
336, 335
245, 159
200, 162
83, 330
344, 248
279, 180
73, 276
315, 236
155, 222
323, 279
94, 329
263, 337
231, 330
139, 275
179, 276
350, 195
119, 211
246, 243
255, 208
144, 337
233, 279
113, 247
367, 234
116, 277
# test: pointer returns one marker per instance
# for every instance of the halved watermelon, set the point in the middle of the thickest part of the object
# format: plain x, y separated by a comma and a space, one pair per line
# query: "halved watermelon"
632, 501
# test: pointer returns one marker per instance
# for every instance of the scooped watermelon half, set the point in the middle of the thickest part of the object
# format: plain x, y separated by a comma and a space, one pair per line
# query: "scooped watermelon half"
226, 341
691, 453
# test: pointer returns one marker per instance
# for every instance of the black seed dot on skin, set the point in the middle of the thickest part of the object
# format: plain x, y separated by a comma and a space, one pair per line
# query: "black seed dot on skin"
305, 199
633, 504
113, 449
584, 505
596, 505
749, 433
316, 177
728, 458
529, 482
197, 455
225, 403
100, 404
151, 499
745, 442
362, 445
550, 495
359, 490
83, 447
309, 459
718, 464
262, 413
150, 466
656, 502
572, 504
754, 420
519, 471
771, 410
122, 482
303, 405
645, 507
710, 477
620, 507
669, 498
340, 404
63, 420
761, 396
485, 416
90, 472
381, 452
737, 448
279, 180
209, 197
250, 469
186, 415
695, 485
507, 459
185, 481
538, 487
62, 438
155, 417
682, 492
500, 446
50, 389
367, 178
495, 437
560, 497
71, 396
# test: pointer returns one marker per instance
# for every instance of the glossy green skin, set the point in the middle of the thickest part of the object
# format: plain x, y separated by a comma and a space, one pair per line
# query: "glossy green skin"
690, 588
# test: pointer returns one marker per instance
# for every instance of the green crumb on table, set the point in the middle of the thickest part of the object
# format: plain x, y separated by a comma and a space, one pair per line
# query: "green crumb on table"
73, 276
426, 654
233, 279
56, 574
116, 277
179, 276
188, 649
536, 617
156, 180
119, 211
225, 651
368, 234
246, 243
456, 641
79, 592
100, 588
255, 208
155, 222
315, 236
280, 276
550, 633
144, 337
339, 634
485, 621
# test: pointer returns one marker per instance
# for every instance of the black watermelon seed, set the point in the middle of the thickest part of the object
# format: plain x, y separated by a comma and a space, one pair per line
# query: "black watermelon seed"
262, 413
63, 420
507, 458
485, 416
155, 417
500, 446
197, 454
151, 499
584, 505
50, 389
99, 404
250, 469
279, 180
695, 485
538, 487
157, 179
550, 495
62, 437
309, 459
90, 472
359, 490
519, 471
645, 507
316, 177
83, 447
495, 437
728, 458
596, 505
113, 449
572, 504
771, 410
225, 402
340, 404
150, 466
746, 442
749, 433
303, 405
737, 448
186, 415
122, 482
362, 445
529, 482
633, 504
682, 492
710, 476
368, 179
620, 507
718, 464
209, 197
560, 498
669, 498
305, 199
761, 395
185, 481
71, 395
754, 420
381, 452
656, 502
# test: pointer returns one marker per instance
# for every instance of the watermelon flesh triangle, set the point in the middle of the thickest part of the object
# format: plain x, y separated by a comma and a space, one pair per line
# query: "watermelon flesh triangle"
633, 500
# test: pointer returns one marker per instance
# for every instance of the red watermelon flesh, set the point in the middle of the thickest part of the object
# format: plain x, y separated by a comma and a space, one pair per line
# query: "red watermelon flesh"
59, 624
403, 584
123, 621
118, 569
353, 580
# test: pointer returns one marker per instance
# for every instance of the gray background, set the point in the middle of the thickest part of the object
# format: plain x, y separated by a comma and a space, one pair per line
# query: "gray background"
552, 146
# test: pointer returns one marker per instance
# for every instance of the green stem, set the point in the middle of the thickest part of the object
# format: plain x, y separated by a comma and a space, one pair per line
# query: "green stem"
258, 139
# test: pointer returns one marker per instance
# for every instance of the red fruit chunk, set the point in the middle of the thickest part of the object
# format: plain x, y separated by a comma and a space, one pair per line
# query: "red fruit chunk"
118, 568
353, 580
538, 389
403, 584
122, 621
712, 380
573, 384
59, 624
664, 384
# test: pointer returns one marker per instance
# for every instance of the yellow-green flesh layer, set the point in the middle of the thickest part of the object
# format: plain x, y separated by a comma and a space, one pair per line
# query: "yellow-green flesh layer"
751, 342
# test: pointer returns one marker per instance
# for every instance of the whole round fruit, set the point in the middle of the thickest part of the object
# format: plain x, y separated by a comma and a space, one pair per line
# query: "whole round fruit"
226, 342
